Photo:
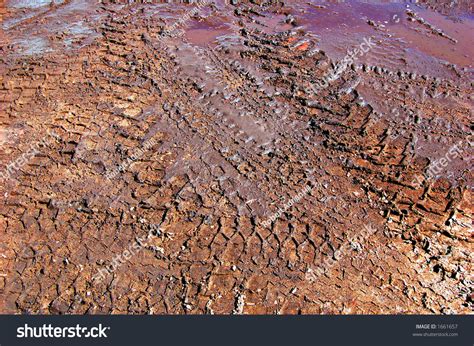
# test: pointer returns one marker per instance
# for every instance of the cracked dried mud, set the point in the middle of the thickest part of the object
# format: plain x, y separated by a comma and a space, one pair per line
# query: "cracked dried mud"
209, 116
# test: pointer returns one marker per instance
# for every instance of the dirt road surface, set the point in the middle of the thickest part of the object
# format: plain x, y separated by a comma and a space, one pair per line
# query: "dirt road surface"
236, 157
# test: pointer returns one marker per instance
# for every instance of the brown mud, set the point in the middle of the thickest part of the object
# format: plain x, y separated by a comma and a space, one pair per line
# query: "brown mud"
237, 131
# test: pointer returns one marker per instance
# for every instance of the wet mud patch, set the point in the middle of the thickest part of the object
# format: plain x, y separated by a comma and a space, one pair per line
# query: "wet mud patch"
285, 175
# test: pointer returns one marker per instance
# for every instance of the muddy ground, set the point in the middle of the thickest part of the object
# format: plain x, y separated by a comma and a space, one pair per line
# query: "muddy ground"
271, 184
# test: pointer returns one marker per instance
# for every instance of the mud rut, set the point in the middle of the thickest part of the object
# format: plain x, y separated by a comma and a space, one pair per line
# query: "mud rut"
212, 180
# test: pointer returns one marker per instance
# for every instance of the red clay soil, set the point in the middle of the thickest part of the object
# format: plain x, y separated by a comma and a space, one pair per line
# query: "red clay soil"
270, 196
